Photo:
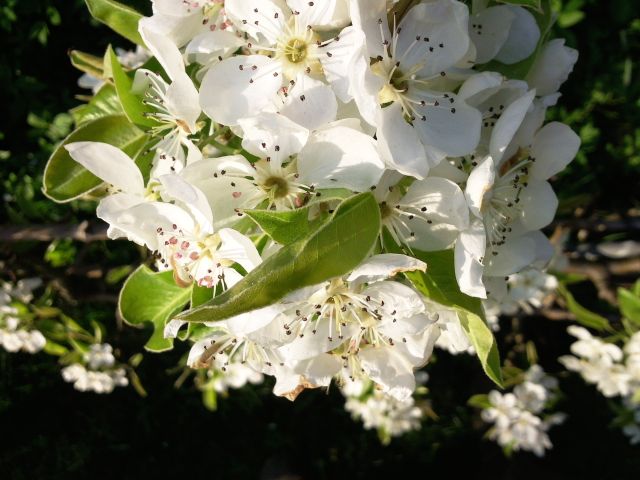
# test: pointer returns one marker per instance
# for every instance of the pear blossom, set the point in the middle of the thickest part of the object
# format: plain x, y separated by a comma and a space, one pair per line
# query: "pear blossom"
519, 419
395, 83
287, 59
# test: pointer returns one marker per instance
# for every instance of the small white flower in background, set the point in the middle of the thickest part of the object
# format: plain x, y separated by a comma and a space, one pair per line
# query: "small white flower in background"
98, 373
613, 370
15, 333
519, 418
389, 416
231, 375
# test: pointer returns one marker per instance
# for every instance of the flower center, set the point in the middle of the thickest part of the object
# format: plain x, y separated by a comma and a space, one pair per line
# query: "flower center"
277, 187
296, 50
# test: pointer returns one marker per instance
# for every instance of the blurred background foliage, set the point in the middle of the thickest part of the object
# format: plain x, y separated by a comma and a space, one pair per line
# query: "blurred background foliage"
50, 431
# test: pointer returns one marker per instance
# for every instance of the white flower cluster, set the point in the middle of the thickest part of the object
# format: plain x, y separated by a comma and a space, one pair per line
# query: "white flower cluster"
615, 371
381, 412
98, 373
518, 418
347, 94
15, 335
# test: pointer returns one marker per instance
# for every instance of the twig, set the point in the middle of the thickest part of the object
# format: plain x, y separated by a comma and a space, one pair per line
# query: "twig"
83, 232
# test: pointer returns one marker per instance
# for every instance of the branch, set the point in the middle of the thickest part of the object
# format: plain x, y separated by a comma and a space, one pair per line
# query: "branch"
83, 232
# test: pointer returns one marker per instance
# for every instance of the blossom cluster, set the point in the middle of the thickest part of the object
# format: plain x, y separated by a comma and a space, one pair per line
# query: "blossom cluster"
16, 333
385, 414
98, 371
613, 370
267, 104
519, 418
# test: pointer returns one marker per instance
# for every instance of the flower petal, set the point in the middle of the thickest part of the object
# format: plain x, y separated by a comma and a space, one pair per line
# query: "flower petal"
383, 266
554, 147
108, 163
239, 87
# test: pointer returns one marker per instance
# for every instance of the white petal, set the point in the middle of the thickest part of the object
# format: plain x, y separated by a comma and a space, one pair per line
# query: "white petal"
453, 128
444, 41
513, 256
489, 30
313, 14
310, 103
108, 163
340, 157
523, 37
324, 339
400, 302
554, 147
480, 181
176, 188
182, 100
238, 248
234, 89
552, 67
389, 370
469, 248
320, 369
383, 266
539, 205
272, 135
364, 88
444, 200
507, 126
370, 16
109, 206
210, 45
481, 82
338, 60
246, 323
399, 143
263, 18
140, 223
162, 48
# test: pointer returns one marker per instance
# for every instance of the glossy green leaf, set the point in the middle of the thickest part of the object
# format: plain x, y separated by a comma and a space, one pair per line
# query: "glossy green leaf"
132, 104
65, 179
150, 297
285, 227
479, 401
583, 316
104, 102
439, 284
629, 305
87, 63
117, 16
332, 250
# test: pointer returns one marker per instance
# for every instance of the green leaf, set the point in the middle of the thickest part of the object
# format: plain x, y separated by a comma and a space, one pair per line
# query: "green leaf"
285, 227
583, 316
439, 284
210, 399
132, 104
65, 179
55, 349
120, 18
152, 297
629, 305
104, 102
87, 63
534, 4
334, 249
479, 401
